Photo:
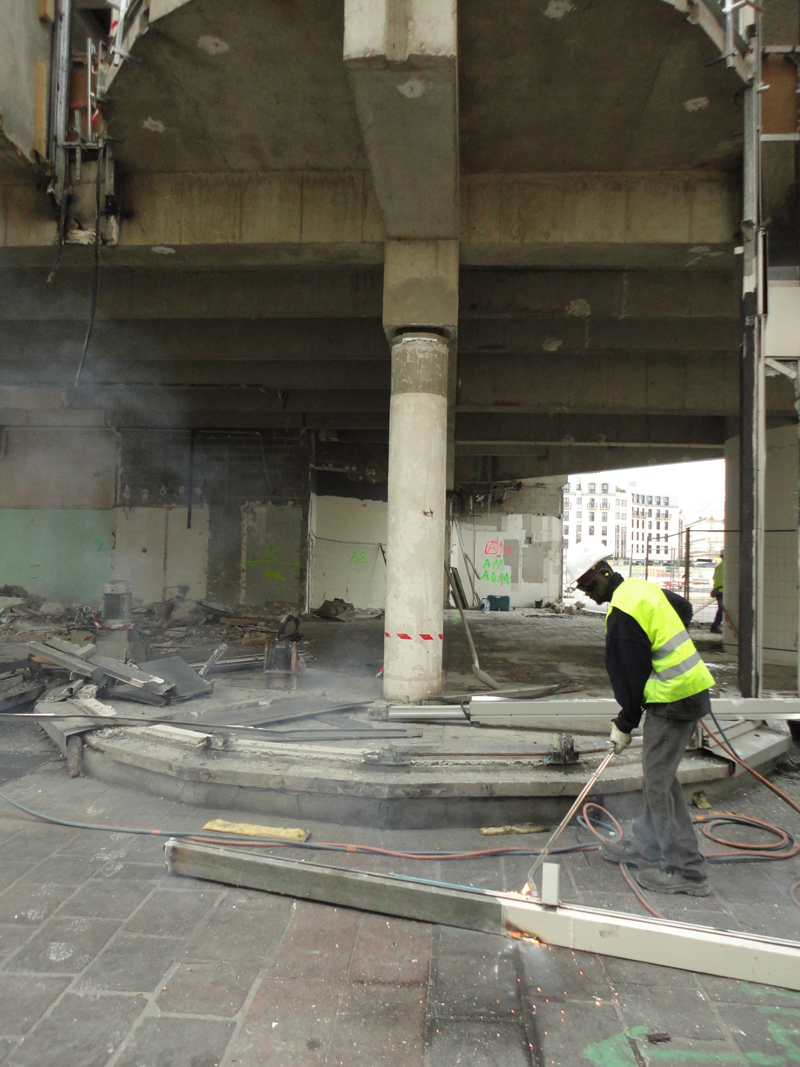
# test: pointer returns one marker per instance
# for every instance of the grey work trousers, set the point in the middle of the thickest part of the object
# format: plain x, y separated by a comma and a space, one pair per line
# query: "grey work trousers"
664, 830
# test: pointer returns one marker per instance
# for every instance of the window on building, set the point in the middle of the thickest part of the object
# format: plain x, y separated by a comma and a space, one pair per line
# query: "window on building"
649, 513
591, 502
604, 504
604, 516
604, 487
591, 487
591, 531
649, 526
666, 500
658, 525
649, 500
591, 516
658, 500
604, 531
567, 503
666, 525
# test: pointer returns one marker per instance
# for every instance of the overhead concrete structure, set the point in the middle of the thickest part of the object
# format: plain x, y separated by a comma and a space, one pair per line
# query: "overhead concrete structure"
557, 189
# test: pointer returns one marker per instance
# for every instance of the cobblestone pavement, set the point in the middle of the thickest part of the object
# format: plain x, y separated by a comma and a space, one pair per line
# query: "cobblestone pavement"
107, 961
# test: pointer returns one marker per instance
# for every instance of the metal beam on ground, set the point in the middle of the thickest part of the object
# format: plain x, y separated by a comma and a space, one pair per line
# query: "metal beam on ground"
746, 957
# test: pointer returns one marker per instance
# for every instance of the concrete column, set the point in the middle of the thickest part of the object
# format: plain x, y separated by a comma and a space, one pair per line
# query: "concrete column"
420, 317
781, 592
417, 469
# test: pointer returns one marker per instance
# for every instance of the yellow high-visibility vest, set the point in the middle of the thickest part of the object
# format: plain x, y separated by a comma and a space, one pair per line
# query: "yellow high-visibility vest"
717, 581
678, 671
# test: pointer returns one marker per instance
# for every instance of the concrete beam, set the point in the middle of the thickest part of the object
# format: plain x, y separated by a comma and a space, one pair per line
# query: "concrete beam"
558, 460
401, 59
420, 286
636, 294
202, 340
213, 377
625, 219
604, 382
501, 346
495, 431
148, 293
676, 221
352, 292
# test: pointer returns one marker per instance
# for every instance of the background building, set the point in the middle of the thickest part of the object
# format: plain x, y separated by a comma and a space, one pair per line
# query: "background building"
622, 514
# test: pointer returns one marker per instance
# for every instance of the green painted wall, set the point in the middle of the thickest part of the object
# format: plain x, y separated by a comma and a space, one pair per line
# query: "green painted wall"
63, 554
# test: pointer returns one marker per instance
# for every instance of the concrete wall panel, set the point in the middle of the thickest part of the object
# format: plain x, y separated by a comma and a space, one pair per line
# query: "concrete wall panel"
271, 553
347, 560
64, 555
57, 467
158, 555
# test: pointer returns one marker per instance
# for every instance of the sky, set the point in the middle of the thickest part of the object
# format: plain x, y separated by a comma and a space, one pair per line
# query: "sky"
699, 487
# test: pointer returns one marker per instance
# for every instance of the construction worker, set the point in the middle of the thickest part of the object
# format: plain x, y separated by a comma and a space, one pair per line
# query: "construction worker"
654, 667
716, 592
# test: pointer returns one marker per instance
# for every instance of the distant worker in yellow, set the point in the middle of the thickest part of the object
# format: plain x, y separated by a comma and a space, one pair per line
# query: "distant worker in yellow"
653, 668
716, 592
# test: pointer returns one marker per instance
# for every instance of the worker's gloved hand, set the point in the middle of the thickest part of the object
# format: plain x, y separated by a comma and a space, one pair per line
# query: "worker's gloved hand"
618, 739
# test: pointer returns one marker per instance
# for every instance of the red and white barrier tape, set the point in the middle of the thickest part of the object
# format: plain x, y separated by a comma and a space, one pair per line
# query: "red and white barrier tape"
411, 637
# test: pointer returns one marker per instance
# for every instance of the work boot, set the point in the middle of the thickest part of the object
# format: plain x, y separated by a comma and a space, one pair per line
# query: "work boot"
715, 630
624, 851
670, 880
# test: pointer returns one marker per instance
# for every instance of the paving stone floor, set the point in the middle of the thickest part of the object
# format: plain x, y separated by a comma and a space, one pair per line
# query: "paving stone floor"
108, 961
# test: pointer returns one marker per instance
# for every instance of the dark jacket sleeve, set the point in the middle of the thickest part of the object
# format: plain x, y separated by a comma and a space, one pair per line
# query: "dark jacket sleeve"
681, 605
629, 664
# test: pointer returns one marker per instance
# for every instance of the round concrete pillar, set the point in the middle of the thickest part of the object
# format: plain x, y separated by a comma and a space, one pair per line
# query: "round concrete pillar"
415, 557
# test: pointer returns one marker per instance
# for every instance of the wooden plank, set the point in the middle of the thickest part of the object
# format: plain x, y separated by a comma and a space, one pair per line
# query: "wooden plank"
747, 957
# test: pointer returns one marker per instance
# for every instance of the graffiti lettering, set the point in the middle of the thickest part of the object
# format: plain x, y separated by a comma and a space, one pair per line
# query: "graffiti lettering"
358, 556
494, 571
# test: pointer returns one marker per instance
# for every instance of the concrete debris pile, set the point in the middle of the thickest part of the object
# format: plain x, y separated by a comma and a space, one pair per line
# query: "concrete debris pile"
335, 609
172, 622
22, 612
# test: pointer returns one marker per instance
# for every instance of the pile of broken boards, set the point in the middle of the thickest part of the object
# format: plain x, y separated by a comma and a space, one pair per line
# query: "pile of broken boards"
157, 682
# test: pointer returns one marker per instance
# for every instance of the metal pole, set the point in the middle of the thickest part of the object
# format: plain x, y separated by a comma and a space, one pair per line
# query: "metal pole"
687, 546
59, 115
797, 409
647, 558
559, 830
191, 481
752, 415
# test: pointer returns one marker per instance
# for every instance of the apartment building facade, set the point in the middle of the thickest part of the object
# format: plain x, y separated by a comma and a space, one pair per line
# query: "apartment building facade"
623, 516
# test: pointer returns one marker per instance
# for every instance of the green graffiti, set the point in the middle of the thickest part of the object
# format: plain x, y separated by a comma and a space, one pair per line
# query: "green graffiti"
358, 556
271, 565
616, 1051
99, 545
494, 571
767, 991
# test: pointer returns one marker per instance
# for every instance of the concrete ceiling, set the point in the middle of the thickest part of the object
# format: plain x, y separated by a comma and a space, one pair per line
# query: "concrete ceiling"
545, 85
248, 86
562, 85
